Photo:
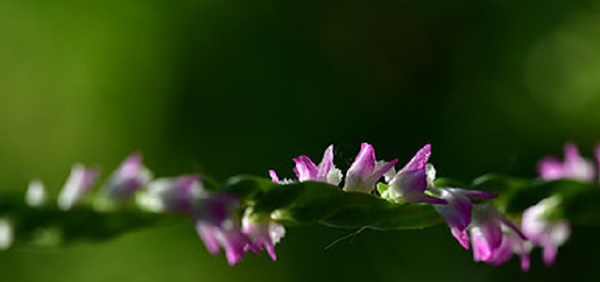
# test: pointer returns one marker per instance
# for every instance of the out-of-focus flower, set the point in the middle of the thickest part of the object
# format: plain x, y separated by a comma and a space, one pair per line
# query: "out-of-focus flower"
307, 170
365, 171
493, 236
179, 194
458, 210
36, 193
218, 226
275, 178
262, 232
411, 182
511, 244
542, 231
78, 183
128, 178
574, 166
227, 236
6, 234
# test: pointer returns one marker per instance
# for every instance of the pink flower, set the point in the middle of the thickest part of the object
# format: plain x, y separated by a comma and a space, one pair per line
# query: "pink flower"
458, 210
574, 166
411, 182
262, 232
307, 170
365, 171
128, 178
542, 231
494, 238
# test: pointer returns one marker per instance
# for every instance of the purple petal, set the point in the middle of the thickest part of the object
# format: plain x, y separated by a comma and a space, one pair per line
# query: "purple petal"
486, 220
364, 163
461, 237
325, 164
208, 236
420, 159
525, 262
274, 176
410, 184
128, 178
478, 195
359, 174
550, 168
549, 254
77, 185
575, 166
503, 253
572, 153
457, 212
234, 243
481, 247
271, 250
432, 200
305, 168
216, 208
131, 165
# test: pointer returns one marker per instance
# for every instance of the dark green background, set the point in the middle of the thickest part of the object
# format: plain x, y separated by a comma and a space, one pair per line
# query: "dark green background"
236, 86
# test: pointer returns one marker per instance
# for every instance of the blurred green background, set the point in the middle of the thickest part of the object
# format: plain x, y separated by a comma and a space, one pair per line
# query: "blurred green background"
235, 86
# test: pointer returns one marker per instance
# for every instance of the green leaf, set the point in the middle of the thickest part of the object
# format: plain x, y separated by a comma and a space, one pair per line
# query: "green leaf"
312, 202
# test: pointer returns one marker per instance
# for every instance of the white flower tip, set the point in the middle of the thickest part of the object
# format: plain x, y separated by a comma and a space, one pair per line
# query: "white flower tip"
36, 193
6, 234
430, 172
334, 176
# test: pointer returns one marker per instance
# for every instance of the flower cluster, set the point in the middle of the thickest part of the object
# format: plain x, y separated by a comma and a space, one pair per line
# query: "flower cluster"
226, 221
545, 231
493, 237
214, 214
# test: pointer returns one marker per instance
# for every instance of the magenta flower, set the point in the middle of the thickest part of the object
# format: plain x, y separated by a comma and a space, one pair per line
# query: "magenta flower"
307, 170
511, 244
179, 194
493, 237
411, 182
457, 211
218, 226
128, 178
544, 232
263, 233
574, 166
77, 185
365, 171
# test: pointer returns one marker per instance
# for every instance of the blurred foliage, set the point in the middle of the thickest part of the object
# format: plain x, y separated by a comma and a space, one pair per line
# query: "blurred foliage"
231, 86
